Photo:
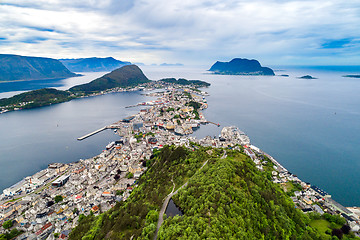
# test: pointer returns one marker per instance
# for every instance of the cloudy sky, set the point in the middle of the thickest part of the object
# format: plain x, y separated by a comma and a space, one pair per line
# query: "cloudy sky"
186, 31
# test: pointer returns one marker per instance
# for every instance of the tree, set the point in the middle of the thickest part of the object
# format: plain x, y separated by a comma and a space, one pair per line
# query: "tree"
129, 175
337, 232
345, 229
8, 224
58, 198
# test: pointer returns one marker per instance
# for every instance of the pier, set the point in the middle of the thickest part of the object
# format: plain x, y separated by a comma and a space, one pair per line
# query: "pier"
217, 124
92, 133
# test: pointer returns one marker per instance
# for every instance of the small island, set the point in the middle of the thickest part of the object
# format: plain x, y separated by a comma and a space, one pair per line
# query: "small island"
352, 76
241, 66
307, 77
284, 75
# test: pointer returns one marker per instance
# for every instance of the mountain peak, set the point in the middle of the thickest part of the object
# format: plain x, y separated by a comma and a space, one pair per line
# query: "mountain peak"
241, 66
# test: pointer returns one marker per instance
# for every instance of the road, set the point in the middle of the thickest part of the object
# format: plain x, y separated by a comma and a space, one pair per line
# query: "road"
166, 202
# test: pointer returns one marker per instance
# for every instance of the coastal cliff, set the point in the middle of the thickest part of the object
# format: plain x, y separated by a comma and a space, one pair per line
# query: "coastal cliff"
241, 66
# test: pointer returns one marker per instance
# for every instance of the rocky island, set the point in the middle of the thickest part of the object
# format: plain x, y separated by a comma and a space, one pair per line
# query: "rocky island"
20, 68
241, 66
307, 77
352, 76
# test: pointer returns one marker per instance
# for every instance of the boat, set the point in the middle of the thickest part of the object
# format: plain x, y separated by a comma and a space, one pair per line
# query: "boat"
110, 145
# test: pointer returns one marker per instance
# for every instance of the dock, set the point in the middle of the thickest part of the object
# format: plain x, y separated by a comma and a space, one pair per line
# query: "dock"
92, 133
217, 124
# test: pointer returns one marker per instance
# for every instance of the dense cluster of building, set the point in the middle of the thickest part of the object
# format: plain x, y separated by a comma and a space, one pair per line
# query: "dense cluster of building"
49, 204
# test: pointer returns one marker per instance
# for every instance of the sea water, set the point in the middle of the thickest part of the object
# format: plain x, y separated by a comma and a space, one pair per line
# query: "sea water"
311, 126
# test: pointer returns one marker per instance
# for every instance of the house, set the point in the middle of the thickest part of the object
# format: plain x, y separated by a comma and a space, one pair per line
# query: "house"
250, 153
95, 209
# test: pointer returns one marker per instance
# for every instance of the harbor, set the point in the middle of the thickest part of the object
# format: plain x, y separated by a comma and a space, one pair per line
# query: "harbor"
89, 185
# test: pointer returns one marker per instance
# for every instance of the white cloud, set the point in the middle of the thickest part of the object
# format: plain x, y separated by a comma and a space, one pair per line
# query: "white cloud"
182, 30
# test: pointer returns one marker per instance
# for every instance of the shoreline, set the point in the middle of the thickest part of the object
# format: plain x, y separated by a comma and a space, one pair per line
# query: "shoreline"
232, 135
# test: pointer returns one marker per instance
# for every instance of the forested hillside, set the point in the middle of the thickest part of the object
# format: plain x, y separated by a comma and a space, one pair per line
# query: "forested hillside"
227, 199
36, 98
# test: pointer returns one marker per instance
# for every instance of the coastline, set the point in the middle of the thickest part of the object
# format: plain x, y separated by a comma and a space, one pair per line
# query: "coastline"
280, 174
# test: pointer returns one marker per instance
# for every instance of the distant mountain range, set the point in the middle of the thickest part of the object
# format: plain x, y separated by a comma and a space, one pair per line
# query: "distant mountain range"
241, 66
15, 67
172, 65
93, 64
127, 76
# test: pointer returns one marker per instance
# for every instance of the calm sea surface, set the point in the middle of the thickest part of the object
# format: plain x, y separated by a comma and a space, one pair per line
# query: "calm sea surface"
312, 127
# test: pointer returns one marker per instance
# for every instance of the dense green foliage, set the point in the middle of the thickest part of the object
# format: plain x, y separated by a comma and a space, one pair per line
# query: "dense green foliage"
7, 224
139, 214
127, 76
230, 199
226, 199
330, 226
195, 105
10, 235
182, 81
15, 67
58, 198
38, 98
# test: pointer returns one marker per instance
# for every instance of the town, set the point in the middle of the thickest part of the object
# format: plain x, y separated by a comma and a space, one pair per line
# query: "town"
49, 204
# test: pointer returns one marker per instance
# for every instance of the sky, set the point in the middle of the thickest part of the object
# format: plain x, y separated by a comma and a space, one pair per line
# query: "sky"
192, 32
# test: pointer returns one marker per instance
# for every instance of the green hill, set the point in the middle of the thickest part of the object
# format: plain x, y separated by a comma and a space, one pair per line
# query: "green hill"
36, 98
14, 67
127, 76
226, 199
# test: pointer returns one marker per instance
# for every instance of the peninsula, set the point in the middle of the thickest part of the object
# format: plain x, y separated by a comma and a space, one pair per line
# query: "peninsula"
225, 187
241, 66
21, 68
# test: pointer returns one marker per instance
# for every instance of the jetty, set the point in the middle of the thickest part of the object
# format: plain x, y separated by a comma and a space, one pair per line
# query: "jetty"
112, 126
92, 133
217, 124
